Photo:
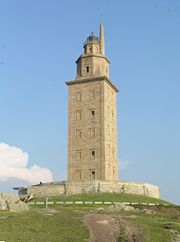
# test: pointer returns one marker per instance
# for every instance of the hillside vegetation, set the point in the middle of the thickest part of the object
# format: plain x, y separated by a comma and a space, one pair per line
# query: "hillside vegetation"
71, 223
108, 197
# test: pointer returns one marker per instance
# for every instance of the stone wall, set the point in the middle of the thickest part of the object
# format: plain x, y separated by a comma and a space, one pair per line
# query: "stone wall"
55, 189
145, 189
45, 189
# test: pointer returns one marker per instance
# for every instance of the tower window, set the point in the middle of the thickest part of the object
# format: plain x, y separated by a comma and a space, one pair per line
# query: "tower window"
93, 154
91, 133
93, 112
78, 133
92, 94
92, 174
78, 96
78, 115
78, 154
87, 69
78, 175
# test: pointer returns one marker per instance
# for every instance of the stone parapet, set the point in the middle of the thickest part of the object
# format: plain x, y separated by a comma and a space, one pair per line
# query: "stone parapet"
97, 186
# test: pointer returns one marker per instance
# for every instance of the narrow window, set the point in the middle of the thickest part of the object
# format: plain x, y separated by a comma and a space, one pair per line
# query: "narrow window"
78, 155
78, 96
93, 154
78, 133
87, 69
78, 115
93, 113
92, 95
78, 175
92, 175
91, 133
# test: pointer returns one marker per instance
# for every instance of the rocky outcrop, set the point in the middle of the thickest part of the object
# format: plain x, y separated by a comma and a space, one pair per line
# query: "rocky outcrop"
117, 207
3, 205
9, 202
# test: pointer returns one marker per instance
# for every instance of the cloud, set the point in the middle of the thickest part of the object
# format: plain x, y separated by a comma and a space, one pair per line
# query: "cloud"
13, 164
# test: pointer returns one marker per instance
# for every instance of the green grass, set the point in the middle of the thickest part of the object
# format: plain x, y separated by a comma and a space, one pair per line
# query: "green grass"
156, 227
65, 223
108, 197
153, 230
39, 226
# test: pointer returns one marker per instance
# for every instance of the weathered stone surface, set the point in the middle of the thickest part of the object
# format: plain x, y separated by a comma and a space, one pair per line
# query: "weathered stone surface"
18, 206
8, 197
3, 205
148, 211
9, 202
117, 207
97, 186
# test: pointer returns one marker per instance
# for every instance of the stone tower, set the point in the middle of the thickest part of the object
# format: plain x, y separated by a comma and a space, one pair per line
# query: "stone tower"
92, 132
92, 125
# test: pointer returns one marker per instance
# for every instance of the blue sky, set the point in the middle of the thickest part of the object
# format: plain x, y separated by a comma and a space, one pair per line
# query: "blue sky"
39, 43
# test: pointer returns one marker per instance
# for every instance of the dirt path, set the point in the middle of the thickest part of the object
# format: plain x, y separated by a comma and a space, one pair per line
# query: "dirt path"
103, 228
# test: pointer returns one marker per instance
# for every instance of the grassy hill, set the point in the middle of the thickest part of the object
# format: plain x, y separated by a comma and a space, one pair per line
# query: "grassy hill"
66, 223
108, 197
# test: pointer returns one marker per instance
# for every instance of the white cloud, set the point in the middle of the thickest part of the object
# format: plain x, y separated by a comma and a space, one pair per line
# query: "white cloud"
13, 164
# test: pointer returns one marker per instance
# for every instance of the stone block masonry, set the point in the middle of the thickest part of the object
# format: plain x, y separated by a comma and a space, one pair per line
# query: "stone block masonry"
55, 189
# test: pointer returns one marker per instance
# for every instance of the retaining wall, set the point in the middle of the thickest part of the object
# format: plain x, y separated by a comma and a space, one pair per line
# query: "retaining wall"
54, 189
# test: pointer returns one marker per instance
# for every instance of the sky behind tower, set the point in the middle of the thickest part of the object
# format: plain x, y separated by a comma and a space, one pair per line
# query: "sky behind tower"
39, 43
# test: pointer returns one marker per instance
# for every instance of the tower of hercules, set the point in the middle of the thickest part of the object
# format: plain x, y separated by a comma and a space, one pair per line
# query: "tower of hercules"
92, 132
92, 125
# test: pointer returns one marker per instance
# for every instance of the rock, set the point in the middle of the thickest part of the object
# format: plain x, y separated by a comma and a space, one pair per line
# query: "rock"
8, 197
9, 202
122, 207
110, 209
148, 211
117, 207
18, 206
3, 205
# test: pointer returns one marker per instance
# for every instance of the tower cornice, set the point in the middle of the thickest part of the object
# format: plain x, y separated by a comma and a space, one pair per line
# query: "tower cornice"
93, 79
92, 55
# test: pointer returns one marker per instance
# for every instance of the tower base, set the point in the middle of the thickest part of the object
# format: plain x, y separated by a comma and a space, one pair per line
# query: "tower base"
96, 186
